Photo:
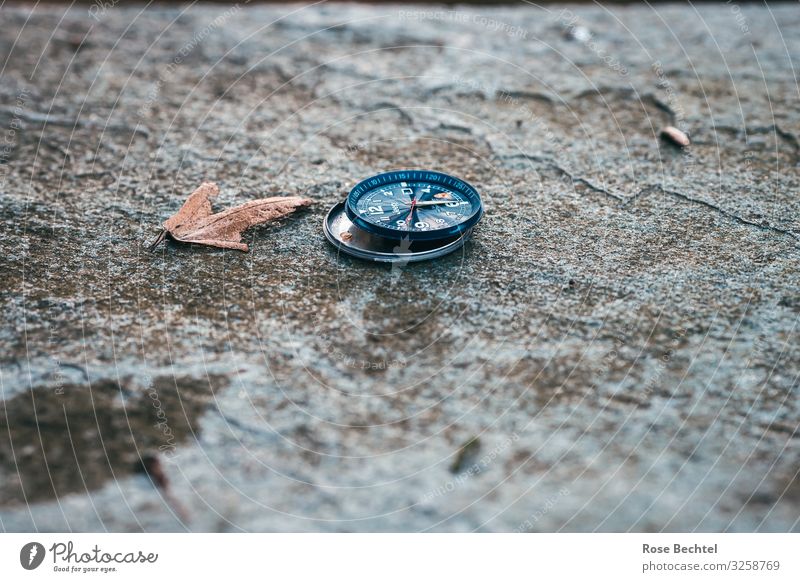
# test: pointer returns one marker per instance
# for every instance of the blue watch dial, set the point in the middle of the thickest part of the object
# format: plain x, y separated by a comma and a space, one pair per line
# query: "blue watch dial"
414, 204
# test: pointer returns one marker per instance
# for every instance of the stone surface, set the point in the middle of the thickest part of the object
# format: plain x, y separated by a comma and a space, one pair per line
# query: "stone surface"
618, 344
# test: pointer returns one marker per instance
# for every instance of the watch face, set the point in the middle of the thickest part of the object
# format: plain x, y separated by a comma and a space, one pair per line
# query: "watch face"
414, 204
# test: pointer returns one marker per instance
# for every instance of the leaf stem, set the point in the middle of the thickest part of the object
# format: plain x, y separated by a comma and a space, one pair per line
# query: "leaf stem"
159, 239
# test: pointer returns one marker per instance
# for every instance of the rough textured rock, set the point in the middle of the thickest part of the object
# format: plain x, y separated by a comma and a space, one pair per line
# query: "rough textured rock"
617, 348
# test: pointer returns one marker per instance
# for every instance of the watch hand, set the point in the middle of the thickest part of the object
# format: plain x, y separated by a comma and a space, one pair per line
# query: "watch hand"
396, 215
435, 202
411, 212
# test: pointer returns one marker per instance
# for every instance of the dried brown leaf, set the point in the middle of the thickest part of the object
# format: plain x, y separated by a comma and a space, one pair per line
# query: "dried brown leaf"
195, 222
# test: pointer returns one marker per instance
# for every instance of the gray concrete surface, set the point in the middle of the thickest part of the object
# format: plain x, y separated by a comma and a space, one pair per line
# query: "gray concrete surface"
619, 342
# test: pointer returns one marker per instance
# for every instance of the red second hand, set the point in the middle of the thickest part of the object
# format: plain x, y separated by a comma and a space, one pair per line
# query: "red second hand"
411, 212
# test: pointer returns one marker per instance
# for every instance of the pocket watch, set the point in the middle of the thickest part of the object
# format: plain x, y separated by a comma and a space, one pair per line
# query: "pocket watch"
404, 215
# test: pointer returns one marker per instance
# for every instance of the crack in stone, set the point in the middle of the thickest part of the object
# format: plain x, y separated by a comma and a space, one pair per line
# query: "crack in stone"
388, 106
765, 227
764, 129
64, 121
454, 127
564, 172
627, 93
529, 95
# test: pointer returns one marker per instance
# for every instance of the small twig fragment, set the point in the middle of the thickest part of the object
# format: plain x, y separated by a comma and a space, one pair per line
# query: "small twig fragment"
465, 455
675, 136
152, 467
